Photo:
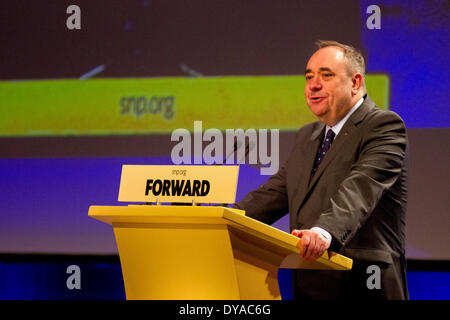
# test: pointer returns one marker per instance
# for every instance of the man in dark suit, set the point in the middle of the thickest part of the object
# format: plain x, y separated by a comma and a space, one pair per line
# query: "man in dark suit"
344, 184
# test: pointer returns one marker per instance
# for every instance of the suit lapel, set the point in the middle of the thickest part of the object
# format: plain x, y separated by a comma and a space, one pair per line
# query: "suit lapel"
336, 147
306, 161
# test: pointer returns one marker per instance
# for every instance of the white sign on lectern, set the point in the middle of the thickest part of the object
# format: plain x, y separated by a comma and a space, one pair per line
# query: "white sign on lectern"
178, 183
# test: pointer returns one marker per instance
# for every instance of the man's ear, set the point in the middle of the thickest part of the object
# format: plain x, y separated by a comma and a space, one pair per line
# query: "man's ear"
357, 83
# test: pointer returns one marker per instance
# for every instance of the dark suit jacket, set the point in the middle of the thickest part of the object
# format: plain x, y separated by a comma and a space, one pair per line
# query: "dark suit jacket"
358, 195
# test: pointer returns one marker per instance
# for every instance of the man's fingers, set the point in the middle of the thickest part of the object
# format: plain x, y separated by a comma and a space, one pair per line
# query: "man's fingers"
296, 233
310, 250
304, 243
320, 249
312, 244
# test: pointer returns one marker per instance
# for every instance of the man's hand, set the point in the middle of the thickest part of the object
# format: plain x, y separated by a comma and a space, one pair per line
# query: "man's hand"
312, 243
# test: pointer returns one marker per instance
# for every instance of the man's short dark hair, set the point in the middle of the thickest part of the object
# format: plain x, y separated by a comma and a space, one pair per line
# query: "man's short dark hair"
355, 60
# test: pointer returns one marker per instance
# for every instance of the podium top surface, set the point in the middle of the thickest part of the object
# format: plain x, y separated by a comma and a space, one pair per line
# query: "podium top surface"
207, 215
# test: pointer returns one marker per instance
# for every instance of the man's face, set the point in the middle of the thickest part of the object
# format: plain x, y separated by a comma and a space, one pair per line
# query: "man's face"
328, 88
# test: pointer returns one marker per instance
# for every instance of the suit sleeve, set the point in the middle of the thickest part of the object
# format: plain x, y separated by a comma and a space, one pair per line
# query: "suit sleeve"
381, 157
269, 202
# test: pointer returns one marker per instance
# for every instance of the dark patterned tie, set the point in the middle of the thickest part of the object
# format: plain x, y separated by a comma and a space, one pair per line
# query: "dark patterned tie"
323, 150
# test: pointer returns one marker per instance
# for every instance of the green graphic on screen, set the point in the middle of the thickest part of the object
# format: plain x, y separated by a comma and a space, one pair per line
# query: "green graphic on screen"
160, 105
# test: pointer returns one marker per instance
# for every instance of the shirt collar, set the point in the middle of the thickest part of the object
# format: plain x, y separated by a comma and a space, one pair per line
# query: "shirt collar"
338, 126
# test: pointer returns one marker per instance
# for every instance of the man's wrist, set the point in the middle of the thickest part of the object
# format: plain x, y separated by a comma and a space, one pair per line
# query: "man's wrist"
323, 232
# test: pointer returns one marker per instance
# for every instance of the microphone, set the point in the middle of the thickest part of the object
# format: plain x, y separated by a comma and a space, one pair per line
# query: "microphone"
248, 147
236, 146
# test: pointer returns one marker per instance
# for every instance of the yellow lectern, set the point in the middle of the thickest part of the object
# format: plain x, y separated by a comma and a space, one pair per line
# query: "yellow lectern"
202, 252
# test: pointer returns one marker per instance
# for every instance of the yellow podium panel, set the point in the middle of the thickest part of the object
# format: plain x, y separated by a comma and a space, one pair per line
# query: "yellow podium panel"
201, 252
